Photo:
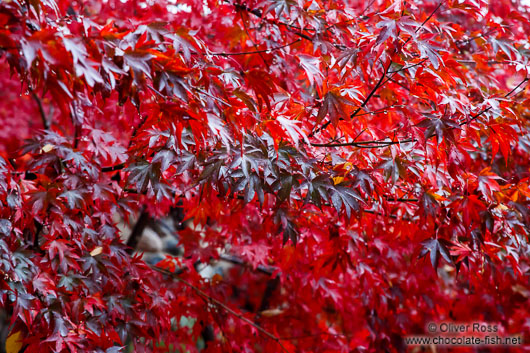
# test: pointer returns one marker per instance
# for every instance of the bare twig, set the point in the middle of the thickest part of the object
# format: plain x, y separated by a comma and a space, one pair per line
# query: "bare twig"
430, 16
380, 214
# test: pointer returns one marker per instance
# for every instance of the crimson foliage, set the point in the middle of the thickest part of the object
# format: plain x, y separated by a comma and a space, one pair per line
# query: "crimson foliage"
367, 164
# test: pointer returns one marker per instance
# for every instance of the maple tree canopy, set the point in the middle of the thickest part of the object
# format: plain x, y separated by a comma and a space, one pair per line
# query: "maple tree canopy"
365, 162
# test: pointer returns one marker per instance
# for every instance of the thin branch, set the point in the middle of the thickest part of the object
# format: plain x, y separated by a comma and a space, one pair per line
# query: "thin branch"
77, 132
301, 35
360, 133
45, 121
430, 16
364, 144
400, 199
397, 83
133, 135
113, 168
363, 104
381, 144
406, 67
213, 97
259, 51
381, 110
222, 305
135, 131
489, 62
381, 214
137, 231
255, 12
258, 14
424, 22
516, 87
270, 288
290, 27
370, 95
476, 116
38, 227
366, 8
237, 261
252, 40
417, 30
312, 335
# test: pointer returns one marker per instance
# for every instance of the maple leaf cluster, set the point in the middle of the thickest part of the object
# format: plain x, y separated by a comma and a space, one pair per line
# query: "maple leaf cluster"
364, 166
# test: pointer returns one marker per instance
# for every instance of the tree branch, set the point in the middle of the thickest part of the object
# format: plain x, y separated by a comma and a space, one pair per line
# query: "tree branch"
271, 286
404, 68
259, 51
476, 116
113, 168
222, 305
137, 231
400, 200
370, 95
258, 13
381, 144
381, 82
133, 135
237, 261
377, 111
38, 229
424, 22
364, 144
255, 12
45, 122
252, 40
